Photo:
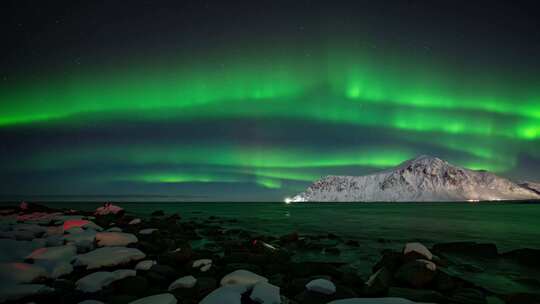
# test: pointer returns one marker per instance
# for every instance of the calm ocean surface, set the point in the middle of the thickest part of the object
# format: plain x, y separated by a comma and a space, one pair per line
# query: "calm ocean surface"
509, 225
375, 225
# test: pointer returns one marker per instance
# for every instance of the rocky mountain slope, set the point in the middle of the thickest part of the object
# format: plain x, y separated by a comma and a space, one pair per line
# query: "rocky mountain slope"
424, 178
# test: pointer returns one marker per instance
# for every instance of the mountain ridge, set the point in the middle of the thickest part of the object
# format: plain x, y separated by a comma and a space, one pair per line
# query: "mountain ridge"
424, 178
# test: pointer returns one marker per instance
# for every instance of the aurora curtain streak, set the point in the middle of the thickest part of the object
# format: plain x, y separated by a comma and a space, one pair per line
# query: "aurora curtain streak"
272, 122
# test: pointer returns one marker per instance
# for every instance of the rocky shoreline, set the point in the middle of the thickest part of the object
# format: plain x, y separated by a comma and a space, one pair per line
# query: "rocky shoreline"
111, 256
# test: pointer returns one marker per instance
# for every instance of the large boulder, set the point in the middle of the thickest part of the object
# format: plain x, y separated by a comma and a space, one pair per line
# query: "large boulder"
416, 251
97, 280
526, 256
19, 292
115, 239
265, 293
164, 298
109, 208
242, 277
230, 294
416, 273
388, 300
482, 250
15, 273
418, 295
58, 253
183, 282
321, 286
108, 256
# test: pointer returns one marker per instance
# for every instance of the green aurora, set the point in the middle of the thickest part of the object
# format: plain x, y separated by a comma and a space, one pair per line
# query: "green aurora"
482, 120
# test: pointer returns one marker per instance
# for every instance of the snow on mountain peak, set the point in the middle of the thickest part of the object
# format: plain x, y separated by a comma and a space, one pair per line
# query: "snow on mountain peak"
424, 178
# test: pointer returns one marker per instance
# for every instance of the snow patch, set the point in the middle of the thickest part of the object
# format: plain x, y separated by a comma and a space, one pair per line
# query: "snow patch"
183, 282
321, 286
418, 248
243, 278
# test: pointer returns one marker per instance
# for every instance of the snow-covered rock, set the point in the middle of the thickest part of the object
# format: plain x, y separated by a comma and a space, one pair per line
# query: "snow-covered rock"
108, 208
108, 256
115, 239
145, 265
389, 300
424, 178
124, 273
183, 282
74, 230
135, 221
242, 277
230, 294
59, 253
203, 264
83, 241
164, 298
533, 186
265, 293
147, 231
417, 248
54, 240
18, 292
321, 286
13, 250
55, 268
96, 281
15, 273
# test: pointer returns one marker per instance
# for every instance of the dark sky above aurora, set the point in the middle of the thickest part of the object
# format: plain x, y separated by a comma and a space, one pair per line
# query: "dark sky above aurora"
253, 101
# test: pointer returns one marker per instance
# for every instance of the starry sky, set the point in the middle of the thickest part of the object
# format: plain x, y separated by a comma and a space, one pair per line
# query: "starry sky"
252, 101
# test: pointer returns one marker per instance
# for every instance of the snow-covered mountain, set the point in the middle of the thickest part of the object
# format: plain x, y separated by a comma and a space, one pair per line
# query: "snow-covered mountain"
533, 186
424, 178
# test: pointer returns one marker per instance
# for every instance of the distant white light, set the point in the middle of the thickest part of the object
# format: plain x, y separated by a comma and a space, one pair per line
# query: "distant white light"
473, 200
288, 200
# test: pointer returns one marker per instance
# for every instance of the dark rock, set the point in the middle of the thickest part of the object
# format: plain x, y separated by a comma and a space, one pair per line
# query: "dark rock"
378, 283
415, 274
158, 213
151, 247
443, 282
332, 236
417, 295
236, 266
164, 270
156, 279
135, 286
121, 299
470, 268
352, 243
332, 250
311, 297
522, 298
306, 269
483, 250
526, 256
352, 279
292, 237
205, 285
63, 284
391, 260
179, 256
468, 296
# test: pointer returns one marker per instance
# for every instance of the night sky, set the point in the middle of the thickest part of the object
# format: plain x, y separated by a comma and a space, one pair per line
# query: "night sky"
245, 101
